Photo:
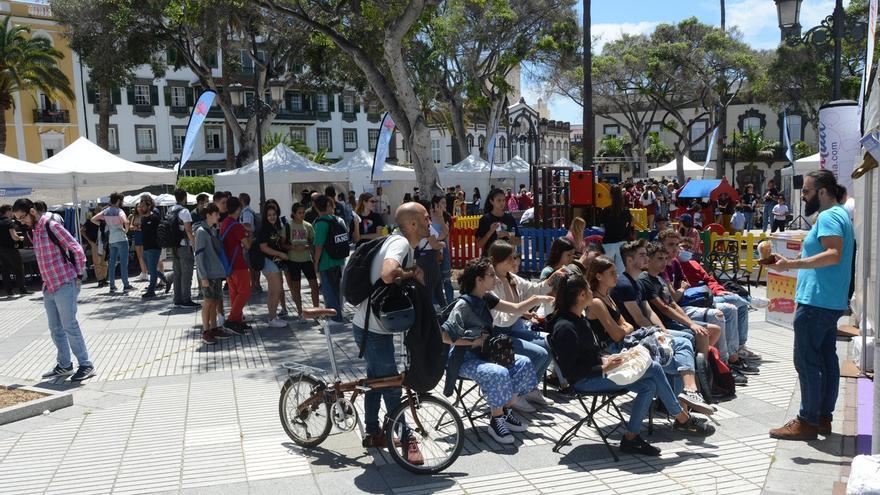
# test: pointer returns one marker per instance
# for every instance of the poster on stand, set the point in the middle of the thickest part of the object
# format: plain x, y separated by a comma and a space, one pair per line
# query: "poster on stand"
781, 285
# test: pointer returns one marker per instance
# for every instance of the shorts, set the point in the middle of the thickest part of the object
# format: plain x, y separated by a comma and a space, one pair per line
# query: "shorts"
269, 266
298, 269
214, 290
138, 237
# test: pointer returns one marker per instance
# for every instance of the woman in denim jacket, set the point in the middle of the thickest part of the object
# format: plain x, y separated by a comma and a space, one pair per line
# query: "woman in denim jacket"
469, 322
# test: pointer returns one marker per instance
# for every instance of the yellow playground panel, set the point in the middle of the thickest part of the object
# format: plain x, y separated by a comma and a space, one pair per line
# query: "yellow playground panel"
467, 222
640, 218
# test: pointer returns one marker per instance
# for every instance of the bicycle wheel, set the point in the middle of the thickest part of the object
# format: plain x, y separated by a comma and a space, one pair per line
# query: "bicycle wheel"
310, 426
437, 427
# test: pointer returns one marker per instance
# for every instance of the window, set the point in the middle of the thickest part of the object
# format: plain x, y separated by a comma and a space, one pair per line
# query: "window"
522, 149
795, 128
481, 143
611, 130
298, 134
470, 142
350, 139
435, 149
373, 138
348, 103
324, 138
373, 106
753, 123
112, 140
248, 98
697, 130
501, 149
213, 139
296, 103
145, 138
178, 134
322, 103
247, 63
178, 96
141, 94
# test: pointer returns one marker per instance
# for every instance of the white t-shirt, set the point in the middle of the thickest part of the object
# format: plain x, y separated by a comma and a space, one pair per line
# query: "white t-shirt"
185, 217
395, 248
780, 212
648, 198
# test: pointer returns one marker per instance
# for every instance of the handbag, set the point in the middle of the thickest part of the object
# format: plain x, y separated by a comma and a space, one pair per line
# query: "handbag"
636, 362
498, 349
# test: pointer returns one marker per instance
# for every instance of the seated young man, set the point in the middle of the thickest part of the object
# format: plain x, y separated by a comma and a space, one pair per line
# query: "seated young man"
735, 308
629, 297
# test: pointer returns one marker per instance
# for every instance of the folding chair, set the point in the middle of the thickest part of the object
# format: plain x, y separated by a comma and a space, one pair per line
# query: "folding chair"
725, 267
472, 413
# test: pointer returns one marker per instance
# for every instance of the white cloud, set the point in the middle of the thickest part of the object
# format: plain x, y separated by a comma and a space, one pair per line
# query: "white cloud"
759, 22
606, 33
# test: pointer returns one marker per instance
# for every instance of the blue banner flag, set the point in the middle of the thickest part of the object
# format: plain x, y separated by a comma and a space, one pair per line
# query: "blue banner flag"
12, 192
196, 119
385, 131
709, 152
786, 139
490, 151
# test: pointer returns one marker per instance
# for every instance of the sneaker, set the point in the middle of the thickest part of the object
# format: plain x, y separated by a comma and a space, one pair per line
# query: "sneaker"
746, 353
824, 425
277, 323
411, 451
760, 302
168, 286
694, 426
695, 402
739, 378
148, 295
523, 406
282, 313
208, 337
188, 304
102, 284
126, 288
513, 422
744, 367
141, 278
112, 290
638, 446
221, 333
231, 327
499, 431
83, 373
536, 397
796, 429
59, 371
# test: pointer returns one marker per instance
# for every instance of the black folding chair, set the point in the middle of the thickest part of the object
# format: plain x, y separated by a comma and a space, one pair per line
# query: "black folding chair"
472, 412
725, 267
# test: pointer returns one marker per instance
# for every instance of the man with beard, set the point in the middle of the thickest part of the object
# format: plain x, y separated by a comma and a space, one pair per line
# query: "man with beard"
824, 271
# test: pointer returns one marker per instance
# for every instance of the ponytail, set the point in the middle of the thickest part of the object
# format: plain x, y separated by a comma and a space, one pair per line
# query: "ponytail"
825, 179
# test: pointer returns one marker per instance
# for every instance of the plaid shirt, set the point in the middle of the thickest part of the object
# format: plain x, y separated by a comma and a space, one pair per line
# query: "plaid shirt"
54, 269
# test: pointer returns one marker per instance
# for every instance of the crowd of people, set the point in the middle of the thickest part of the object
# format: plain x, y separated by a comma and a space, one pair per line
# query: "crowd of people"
592, 302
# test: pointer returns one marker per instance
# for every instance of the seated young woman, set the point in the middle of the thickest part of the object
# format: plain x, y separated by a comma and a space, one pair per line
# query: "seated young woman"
583, 364
468, 324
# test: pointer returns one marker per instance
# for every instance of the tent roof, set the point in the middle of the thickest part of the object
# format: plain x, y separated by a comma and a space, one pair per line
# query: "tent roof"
280, 159
472, 163
94, 166
18, 173
707, 188
362, 160
669, 169
516, 164
565, 162
817, 158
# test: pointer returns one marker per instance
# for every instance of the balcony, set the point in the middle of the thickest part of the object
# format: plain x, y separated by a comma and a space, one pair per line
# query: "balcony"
51, 116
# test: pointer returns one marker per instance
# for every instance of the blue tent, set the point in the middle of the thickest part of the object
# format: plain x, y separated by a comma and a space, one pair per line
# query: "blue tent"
699, 188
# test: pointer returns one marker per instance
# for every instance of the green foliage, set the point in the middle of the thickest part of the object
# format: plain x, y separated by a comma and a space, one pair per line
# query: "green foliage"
658, 151
751, 147
28, 63
274, 139
613, 146
802, 150
195, 185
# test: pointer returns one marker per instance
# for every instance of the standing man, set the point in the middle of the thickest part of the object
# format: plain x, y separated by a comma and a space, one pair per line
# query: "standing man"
236, 243
824, 271
10, 259
62, 263
183, 259
328, 267
769, 202
384, 206
117, 224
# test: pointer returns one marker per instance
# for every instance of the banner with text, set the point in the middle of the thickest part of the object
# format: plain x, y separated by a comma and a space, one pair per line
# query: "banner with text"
196, 119
385, 132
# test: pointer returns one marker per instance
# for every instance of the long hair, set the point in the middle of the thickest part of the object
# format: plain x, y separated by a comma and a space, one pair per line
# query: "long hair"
600, 264
616, 200
499, 252
559, 246
487, 206
567, 292
467, 280
265, 214
826, 179
578, 224
151, 205
362, 200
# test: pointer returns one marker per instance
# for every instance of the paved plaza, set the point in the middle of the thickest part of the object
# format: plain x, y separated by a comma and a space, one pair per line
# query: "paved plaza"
167, 413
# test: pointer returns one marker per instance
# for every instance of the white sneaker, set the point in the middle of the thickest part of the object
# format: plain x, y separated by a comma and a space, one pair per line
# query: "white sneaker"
277, 323
142, 278
760, 302
536, 397
523, 406
221, 319
746, 353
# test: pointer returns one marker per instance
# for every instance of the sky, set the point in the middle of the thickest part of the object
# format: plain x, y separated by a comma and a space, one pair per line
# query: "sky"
756, 19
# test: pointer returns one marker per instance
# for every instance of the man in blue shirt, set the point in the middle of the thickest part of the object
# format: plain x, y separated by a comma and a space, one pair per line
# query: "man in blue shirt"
822, 293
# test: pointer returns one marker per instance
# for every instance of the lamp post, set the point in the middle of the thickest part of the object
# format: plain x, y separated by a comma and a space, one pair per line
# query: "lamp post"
832, 29
260, 109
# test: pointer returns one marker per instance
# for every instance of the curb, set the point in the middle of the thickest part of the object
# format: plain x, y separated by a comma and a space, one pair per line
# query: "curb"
53, 401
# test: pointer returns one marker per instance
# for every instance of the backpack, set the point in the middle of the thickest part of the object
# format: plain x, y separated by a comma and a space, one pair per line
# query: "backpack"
69, 258
168, 233
337, 244
731, 286
228, 262
356, 283
714, 378
699, 297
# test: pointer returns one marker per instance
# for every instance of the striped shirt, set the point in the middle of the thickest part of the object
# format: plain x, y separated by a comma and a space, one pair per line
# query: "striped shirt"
54, 269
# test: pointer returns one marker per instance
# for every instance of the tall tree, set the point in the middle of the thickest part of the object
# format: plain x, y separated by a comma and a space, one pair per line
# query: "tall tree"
27, 64
111, 40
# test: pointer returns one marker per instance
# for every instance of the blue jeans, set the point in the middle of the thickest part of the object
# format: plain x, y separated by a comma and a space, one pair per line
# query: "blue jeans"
726, 321
652, 383
61, 310
741, 335
612, 252
529, 344
815, 359
330, 281
750, 220
446, 276
767, 219
151, 259
118, 251
682, 358
379, 355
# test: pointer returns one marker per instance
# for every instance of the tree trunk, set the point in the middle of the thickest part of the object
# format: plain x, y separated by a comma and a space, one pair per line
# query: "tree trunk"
419, 145
456, 109
3, 126
247, 144
492, 124
104, 101
679, 165
226, 96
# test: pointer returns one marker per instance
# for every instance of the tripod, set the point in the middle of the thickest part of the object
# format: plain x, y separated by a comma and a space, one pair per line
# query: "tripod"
797, 221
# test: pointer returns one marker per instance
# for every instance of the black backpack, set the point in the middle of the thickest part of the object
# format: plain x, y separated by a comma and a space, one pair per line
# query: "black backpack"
714, 378
356, 283
68, 256
168, 233
337, 244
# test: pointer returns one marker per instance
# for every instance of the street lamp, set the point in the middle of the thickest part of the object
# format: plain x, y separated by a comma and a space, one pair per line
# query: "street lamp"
832, 29
260, 109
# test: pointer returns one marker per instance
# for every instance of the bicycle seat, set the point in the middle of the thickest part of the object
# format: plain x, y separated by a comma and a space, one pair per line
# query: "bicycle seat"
318, 312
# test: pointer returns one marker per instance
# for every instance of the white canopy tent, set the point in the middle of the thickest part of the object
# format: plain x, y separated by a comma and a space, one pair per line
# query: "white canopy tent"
283, 169
691, 169
394, 179
473, 172
792, 181
565, 162
18, 173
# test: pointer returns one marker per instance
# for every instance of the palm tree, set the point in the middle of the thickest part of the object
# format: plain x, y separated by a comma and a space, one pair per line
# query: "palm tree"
750, 146
27, 64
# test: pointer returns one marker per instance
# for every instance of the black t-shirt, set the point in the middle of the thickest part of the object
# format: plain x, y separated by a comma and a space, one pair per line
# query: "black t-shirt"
626, 290
617, 226
747, 199
653, 287
491, 300
5, 239
271, 235
508, 224
450, 203
312, 215
770, 194
370, 223
150, 228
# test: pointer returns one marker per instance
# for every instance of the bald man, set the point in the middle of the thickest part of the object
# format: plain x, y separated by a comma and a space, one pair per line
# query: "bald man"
395, 259
312, 213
